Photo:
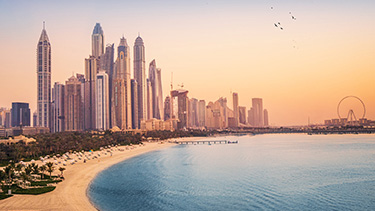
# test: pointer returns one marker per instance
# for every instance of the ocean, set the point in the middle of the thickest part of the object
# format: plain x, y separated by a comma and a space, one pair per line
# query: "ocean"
262, 172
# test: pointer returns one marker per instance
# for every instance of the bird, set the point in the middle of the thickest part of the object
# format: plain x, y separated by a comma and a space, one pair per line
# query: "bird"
294, 18
279, 23
275, 25
281, 28
271, 8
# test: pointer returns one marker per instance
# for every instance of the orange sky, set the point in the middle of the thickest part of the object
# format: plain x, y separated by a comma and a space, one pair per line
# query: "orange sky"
212, 48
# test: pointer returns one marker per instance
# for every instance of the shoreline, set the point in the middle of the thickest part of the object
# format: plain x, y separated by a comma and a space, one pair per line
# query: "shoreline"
71, 194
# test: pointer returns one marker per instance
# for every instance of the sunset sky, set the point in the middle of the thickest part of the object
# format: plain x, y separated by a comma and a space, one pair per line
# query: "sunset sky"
212, 47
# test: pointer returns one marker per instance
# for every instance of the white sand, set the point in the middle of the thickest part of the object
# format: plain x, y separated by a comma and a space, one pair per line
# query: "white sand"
71, 193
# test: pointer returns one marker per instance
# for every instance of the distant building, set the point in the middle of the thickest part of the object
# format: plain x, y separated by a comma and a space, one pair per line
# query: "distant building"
91, 69
193, 113
20, 114
149, 103
202, 113
35, 119
235, 108
258, 112
107, 64
97, 40
5, 118
224, 103
265, 115
57, 108
44, 80
242, 114
102, 101
134, 101
180, 107
167, 108
140, 77
215, 118
157, 91
73, 104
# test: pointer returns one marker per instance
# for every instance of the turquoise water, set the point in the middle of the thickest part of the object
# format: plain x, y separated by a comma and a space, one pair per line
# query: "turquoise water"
263, 172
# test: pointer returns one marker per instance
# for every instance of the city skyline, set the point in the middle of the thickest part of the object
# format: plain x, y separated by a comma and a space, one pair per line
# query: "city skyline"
299, 74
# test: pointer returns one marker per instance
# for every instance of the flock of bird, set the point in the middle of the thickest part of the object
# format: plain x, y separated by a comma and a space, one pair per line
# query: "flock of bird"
278, 24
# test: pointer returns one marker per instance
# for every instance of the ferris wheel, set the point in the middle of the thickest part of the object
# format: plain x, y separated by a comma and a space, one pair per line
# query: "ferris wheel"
351, 118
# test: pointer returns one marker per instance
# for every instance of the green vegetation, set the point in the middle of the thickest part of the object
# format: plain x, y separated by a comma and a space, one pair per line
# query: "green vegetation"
4, 196
32, 191
44, 183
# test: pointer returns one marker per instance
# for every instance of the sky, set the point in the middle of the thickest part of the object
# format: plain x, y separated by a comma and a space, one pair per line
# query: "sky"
213, 48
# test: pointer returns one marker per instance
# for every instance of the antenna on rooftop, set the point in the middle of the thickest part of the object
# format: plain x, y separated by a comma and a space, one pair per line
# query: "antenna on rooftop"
44, 25
171, 81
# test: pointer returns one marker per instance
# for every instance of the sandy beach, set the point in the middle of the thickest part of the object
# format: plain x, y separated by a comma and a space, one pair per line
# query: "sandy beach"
71, 193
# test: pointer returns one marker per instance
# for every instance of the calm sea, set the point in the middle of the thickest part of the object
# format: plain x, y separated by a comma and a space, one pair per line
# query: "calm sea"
263, 172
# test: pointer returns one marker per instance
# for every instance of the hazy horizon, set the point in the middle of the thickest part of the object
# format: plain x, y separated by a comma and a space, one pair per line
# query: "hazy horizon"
212, 47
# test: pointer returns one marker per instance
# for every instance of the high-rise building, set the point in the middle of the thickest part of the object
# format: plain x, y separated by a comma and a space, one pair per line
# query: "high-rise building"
107, 64
167, 108
235, 108
97, 39
57, 107
102, 101
149, 100
81, 78
6, 117
91, 69
44, 80
20, 114
134, 102
250, 116
265, 115
180, 107
224, 103
215, 115
140, 77
202, 113
73, 105
242, 114
35, 119
154, 76
258, 112
193, 113
121, 88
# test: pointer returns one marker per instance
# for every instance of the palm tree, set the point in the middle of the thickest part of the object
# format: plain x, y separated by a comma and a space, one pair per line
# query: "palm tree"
62, 169
35, 168
43, 169
18, 168
3, 176
50, 168
24, 178
9, 173
28, 169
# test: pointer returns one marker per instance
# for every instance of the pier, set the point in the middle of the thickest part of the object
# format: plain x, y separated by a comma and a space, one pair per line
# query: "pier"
207, 142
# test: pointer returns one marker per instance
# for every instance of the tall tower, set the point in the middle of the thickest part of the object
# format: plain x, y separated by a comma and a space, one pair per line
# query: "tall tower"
154, 76
107, 64
134, 101
140, 77
44, 79
121, 88
91, 69
57, 108
73, 105
102, 101
258, 112
97, 40
235, 108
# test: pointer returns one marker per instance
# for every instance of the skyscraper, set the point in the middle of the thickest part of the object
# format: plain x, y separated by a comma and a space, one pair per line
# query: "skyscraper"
20, 114
102, 101
121, 88
193, 112
140, 77
91, 69
242, 114
44, 79
97, 40
167, 108
235, 108
134, 101
182, 107
73, 105
149, 100
154, 76
81, 78
258, 112
265, 117
57, 120
107, 64
202, 113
